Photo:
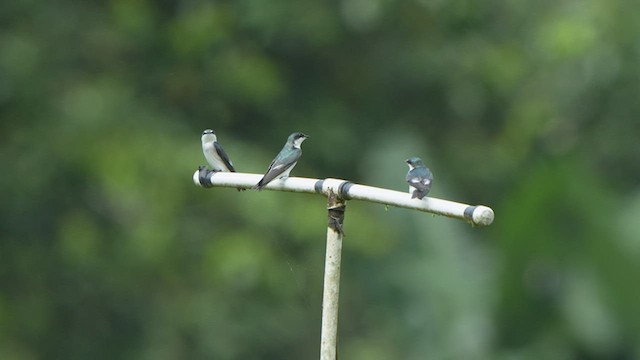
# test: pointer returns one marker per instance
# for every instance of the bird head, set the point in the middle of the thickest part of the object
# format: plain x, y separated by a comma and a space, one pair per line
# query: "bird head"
414, 162
208, 135
296, 139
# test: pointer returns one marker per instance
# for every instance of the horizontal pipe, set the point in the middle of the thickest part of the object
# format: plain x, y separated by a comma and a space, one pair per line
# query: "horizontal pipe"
477, 215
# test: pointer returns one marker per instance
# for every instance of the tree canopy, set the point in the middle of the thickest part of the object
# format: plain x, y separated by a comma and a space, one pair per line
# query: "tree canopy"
108, 250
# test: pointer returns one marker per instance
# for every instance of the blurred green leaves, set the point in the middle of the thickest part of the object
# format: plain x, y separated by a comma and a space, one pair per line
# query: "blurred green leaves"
107, 250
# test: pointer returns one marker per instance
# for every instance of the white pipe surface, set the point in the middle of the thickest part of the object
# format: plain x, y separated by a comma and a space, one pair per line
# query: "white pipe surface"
477, 215
331, 289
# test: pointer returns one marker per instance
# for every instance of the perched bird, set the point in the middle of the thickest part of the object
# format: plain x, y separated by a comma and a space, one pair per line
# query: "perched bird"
282, 165
419, 178
216, 157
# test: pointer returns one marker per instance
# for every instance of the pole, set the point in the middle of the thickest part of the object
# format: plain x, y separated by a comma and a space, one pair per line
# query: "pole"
338, 192
331, 291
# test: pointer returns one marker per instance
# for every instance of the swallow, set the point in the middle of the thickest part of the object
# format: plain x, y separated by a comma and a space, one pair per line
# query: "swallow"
419, 178
285, 161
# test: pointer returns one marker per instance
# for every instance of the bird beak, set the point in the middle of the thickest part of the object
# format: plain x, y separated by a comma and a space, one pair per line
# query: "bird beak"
407, 161
305, 136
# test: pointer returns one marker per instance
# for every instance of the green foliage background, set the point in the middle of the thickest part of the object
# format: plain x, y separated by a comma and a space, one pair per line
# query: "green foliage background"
108, 250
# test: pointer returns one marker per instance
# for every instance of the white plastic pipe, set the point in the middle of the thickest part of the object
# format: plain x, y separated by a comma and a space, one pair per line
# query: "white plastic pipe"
477, 215
331, 288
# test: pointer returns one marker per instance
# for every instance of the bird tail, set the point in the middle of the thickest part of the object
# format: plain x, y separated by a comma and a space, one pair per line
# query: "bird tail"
258, 186
418, 194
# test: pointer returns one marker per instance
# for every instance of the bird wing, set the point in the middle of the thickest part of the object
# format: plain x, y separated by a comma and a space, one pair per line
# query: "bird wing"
279, 165
420, 178
223, 155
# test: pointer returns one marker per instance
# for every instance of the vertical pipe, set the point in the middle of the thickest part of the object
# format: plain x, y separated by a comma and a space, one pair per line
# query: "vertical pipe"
331, 291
